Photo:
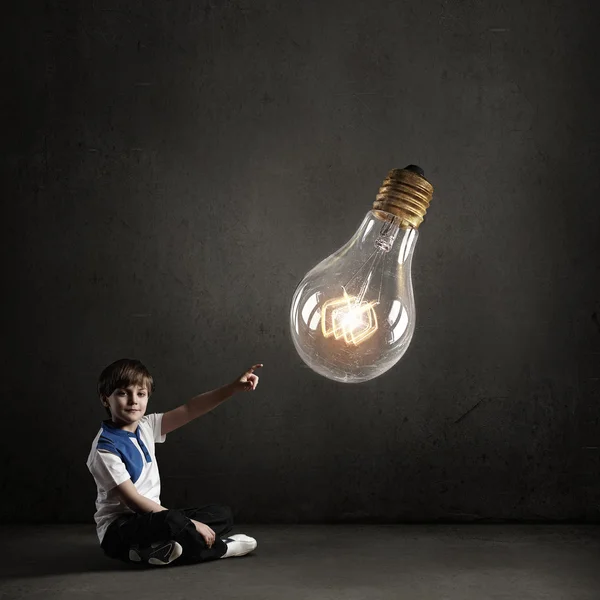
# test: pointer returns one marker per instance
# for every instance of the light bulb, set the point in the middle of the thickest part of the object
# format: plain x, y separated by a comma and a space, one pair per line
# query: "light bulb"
353, 315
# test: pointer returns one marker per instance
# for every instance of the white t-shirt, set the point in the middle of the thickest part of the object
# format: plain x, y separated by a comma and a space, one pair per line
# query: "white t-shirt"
116, 456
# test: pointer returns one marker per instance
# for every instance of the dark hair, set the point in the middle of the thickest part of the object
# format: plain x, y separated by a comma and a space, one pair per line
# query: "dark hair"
121, 374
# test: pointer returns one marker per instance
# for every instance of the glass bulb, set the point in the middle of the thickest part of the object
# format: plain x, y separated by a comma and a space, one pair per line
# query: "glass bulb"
353, 315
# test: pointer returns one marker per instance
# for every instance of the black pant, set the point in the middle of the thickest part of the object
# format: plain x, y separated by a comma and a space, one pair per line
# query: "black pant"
173, 524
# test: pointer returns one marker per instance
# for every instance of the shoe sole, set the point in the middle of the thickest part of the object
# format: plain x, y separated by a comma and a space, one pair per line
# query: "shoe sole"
176, 552
134, 556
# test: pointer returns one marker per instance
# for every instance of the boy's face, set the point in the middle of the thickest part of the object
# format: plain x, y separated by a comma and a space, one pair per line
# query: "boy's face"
127, 405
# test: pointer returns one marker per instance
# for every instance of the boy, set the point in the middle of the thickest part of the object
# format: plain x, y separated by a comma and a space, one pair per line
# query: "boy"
131, 523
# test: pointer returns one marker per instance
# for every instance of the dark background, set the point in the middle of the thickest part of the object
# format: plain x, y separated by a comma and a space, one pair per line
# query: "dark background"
171, 170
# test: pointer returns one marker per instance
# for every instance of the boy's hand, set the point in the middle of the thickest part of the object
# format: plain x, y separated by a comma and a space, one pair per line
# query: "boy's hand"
247, 381
205, 531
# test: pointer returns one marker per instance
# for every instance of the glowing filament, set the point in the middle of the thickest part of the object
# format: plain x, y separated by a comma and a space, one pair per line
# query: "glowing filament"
348, 319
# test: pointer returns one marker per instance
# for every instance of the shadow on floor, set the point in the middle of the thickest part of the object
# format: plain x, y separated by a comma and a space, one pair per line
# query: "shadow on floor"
57, 552
60, 558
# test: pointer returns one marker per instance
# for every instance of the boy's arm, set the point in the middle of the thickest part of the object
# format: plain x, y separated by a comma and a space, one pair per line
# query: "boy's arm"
135, 501
200, 405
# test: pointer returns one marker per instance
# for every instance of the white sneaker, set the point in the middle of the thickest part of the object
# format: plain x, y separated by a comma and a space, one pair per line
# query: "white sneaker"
239, 545
159, 553
240, 537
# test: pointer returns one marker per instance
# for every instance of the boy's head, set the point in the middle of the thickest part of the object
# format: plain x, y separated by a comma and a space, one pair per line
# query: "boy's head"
124, 388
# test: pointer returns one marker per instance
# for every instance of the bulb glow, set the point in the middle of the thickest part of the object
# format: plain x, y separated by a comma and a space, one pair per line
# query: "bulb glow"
348, 319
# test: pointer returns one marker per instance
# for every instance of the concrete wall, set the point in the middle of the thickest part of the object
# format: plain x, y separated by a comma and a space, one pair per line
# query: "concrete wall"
172, 170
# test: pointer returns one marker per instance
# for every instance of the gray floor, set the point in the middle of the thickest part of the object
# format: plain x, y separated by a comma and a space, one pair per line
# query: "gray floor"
300, 562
